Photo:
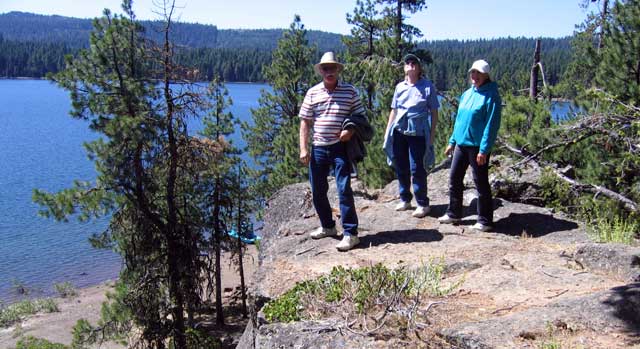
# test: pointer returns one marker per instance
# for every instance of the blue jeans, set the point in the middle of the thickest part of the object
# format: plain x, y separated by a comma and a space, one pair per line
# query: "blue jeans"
408, 152
323, 158
462, 158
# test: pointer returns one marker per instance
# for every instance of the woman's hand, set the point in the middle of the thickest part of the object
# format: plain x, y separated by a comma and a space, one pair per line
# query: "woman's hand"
449, 150
481, 159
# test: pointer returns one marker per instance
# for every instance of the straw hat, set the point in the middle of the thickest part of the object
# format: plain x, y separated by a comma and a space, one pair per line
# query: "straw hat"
328, 58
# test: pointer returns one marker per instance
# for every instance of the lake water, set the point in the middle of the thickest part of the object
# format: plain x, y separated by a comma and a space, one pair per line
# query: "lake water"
41, 147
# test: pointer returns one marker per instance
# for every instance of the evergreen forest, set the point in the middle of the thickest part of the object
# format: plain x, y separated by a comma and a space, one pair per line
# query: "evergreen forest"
172, 195
33, 45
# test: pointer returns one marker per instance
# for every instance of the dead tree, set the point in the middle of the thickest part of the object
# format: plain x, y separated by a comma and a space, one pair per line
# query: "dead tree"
535, 69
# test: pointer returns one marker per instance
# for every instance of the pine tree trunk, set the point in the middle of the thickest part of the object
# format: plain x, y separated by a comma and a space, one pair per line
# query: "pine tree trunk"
241, 267
399, 31
217, 236
174, 248
603, 19
535, 69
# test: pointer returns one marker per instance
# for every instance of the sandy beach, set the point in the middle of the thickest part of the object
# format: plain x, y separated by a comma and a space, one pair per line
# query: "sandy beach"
57, 327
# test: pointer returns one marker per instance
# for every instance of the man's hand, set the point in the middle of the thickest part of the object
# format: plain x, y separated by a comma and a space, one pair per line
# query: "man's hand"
304, 157
449, 150
346, 135
481, 159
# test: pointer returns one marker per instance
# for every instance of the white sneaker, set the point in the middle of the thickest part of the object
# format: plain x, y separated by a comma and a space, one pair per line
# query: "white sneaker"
324, 232
481, 227
347, 243
421, 211
403, 206
447, 219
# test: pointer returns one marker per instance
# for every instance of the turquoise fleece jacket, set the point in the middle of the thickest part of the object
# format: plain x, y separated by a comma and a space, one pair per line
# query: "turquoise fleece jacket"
478, 118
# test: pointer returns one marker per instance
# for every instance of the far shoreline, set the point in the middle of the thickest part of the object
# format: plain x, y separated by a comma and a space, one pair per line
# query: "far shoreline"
195, 82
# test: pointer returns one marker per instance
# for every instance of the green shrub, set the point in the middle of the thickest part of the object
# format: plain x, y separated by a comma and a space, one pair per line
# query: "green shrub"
31, 342
556, 193
363, 289
614, 229
17, 311
65, 289
286, 307
197, 339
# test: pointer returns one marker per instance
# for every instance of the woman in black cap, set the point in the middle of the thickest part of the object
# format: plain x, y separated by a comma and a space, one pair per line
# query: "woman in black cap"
409, 136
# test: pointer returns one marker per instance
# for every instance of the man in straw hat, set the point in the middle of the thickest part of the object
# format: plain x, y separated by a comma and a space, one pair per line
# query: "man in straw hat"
323, 110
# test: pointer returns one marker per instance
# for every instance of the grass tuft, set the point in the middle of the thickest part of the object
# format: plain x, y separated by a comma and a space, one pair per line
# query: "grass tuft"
16, 312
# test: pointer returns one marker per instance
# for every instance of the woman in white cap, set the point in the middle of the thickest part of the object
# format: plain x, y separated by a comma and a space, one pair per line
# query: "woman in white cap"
409, 136
474, 134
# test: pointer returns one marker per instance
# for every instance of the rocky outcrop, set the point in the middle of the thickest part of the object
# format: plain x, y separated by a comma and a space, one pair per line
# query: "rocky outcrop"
536, 278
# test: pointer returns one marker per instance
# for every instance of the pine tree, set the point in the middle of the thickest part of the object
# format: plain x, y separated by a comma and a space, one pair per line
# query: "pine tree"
272, 139
219, 124
619, 69
373, 56
402, 34
154, 179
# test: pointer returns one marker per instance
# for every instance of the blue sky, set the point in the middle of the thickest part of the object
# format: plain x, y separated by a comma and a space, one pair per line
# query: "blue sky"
443, 19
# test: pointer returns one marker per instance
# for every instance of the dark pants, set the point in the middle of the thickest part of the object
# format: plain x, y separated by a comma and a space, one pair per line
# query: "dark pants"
462, 158
323, 158
408, 152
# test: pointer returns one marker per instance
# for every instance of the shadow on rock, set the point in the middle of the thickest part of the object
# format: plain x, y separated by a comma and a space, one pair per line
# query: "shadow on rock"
534, 224
625, 301
438, 210
400, 237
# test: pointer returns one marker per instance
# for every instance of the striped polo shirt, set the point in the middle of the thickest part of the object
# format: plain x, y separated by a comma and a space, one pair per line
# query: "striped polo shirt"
328, 110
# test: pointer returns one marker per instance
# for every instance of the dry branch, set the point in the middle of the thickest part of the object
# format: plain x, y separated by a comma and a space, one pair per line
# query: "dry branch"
575, 184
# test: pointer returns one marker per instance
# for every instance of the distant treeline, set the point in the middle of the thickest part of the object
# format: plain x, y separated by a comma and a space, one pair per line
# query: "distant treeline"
33, 45
74, 32
510, 59
36, 59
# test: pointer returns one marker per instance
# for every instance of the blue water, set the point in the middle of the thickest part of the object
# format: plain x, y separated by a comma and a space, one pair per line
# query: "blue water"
563, 111
41, 147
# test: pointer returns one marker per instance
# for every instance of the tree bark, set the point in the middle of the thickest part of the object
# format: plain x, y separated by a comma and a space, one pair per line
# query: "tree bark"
603, 19
399, 30
535, 69
217, 236
174, 247
240, 265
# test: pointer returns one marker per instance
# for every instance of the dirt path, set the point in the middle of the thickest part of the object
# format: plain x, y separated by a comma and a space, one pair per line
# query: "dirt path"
57, 327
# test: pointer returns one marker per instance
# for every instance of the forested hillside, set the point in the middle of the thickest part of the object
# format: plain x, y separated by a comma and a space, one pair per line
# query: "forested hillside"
511, 60
32, 45
74, 32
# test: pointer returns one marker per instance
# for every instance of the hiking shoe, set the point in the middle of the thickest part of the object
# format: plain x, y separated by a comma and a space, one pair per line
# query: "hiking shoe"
324, 232
448, 219
403, 206
481, 227
421, 211
347, 243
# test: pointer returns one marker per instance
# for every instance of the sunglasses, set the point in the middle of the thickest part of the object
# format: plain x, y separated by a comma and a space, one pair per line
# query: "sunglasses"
329, 68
